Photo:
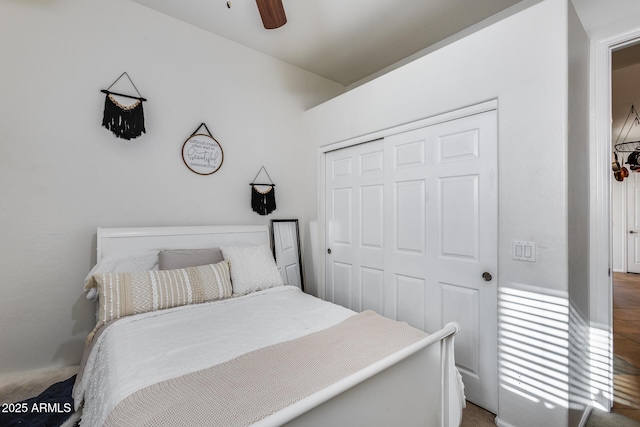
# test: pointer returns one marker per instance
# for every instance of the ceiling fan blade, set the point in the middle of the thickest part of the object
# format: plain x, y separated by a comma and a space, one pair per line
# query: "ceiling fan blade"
272, 13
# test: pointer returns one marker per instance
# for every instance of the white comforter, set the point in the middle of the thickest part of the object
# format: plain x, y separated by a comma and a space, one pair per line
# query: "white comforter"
138, 351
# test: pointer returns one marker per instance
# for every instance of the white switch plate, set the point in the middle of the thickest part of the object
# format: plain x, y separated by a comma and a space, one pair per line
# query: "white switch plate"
524, 251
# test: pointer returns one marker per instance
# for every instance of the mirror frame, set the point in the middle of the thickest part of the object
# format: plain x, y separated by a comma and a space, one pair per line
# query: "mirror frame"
273, 245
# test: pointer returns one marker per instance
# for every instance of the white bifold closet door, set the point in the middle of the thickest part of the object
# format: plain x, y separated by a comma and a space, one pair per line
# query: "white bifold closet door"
411, 223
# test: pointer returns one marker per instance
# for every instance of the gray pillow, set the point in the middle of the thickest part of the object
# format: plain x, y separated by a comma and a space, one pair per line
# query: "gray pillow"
171, 259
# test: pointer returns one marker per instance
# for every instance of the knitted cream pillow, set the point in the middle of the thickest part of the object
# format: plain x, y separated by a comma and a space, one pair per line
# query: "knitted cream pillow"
252, 268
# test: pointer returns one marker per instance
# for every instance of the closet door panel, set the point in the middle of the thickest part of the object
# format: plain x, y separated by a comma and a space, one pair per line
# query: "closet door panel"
355, 223
342, 283
443, 222
409, 216
371, 218
464, 303
407, 260
410, 300
466, 208
459, 216
372, 289
342, 216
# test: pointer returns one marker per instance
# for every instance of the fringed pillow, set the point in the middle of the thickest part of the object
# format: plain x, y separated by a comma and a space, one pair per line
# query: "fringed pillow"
125, 294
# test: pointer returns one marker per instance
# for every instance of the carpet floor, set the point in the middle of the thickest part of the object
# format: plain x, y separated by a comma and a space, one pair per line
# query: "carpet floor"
475, 416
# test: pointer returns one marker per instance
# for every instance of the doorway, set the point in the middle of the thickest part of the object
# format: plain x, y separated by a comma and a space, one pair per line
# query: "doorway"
625, 211
625, 137
601, 235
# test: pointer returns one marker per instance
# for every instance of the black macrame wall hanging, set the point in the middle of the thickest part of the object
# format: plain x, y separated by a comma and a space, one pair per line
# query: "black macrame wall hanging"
263, 196
125, 121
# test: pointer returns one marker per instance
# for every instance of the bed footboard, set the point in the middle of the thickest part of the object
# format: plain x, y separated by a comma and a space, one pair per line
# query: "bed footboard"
418, 386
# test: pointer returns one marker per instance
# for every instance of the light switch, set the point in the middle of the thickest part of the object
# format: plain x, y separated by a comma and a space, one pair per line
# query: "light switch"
518, 251
524, 251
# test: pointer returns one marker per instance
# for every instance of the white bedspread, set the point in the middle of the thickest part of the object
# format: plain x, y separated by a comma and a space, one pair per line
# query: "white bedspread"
138, 351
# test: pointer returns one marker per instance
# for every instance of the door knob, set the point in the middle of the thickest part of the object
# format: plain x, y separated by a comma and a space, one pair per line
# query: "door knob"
329, 251
632, 232
487, 276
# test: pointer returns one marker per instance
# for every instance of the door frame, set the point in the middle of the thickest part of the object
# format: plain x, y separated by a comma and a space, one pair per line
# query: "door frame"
624, 227
627, 236
601, 273
625, 230
400, 128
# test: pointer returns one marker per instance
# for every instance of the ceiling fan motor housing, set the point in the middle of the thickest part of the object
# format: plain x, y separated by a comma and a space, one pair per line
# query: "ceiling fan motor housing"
272, 13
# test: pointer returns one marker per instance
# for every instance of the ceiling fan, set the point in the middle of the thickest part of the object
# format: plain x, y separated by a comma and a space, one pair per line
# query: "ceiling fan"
272, 13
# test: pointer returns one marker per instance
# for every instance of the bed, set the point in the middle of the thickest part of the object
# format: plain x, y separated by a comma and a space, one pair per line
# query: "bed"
266, 355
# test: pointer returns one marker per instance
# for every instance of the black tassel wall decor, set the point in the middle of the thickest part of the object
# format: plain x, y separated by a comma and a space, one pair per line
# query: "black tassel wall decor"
263, 196
125, 121
263, 202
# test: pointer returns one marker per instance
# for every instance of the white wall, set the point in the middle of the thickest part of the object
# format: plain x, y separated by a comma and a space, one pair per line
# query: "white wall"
578, 177
62, 174
523, 62
578, 172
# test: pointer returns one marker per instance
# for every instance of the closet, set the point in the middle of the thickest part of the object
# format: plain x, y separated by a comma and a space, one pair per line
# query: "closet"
411, 223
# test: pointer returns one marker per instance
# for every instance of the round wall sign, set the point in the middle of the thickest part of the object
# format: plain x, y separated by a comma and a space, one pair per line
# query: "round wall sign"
202, 154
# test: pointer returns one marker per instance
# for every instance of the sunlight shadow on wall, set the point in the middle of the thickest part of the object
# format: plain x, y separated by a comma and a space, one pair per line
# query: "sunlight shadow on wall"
534, 332
601, 366
549, 354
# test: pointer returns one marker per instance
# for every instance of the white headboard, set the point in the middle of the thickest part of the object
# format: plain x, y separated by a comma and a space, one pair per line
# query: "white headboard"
113, 240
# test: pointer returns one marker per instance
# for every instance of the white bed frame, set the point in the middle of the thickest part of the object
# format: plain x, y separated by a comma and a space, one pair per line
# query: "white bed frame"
417, 386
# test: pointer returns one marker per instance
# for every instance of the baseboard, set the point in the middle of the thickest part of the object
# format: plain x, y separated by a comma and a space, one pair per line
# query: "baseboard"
586, 414
583, 421
501, 423
24, 385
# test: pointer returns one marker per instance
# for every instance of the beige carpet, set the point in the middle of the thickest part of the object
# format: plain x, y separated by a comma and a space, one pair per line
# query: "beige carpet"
17, 387
610, 419
474, 416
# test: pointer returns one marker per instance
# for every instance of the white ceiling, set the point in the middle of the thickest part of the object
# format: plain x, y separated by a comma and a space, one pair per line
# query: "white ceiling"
344, 41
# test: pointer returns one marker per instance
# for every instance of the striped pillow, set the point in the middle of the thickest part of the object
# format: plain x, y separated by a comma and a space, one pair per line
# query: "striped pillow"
125, 294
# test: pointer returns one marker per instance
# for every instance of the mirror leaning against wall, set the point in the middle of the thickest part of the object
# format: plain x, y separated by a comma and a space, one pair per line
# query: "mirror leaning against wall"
285, 239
